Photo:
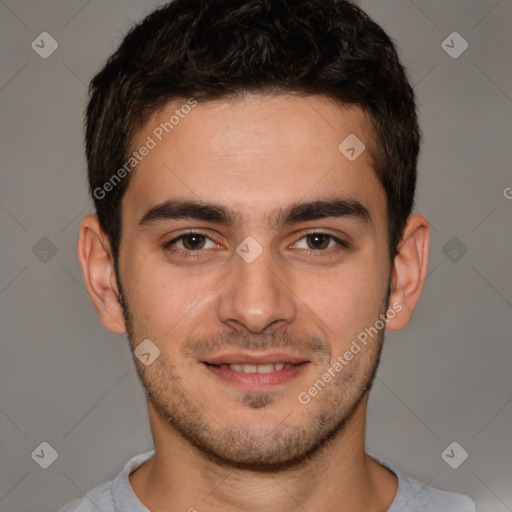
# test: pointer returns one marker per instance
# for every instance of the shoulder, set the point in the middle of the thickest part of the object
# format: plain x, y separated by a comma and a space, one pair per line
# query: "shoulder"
98, 498
114, 495
414, 496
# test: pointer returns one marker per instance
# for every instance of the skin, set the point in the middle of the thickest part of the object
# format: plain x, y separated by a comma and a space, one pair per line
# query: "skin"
219, 447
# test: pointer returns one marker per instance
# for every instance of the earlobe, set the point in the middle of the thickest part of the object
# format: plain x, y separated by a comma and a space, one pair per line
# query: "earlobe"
409, 270
99, 276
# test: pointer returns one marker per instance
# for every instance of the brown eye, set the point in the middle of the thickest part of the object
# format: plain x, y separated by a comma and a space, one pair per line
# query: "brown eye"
318, 244
193, 241
318, 241
189, 243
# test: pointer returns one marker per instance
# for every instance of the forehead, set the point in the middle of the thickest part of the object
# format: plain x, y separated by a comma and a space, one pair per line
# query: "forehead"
255, 153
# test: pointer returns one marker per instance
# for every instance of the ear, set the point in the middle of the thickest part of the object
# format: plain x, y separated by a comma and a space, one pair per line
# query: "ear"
409, 270
98, 270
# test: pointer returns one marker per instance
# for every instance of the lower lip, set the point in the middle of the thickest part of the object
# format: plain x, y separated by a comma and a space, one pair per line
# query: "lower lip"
257, 381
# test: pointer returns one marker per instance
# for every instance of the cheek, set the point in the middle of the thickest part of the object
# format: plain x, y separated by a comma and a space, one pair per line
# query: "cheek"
157, 297
348, 299
169, 302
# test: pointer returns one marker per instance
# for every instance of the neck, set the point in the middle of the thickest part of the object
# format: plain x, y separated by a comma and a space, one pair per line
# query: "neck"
339, 477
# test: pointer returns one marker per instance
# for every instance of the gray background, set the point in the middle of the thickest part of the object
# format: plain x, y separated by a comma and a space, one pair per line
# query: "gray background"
445, 378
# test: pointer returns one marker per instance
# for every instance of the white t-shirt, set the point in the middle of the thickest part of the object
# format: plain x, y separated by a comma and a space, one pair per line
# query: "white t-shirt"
412, 496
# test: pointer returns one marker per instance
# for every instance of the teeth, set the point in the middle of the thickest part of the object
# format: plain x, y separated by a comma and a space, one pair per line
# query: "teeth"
258, 368
265, 368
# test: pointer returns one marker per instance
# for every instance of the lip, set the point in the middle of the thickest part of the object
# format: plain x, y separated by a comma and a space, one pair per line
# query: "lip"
255, 381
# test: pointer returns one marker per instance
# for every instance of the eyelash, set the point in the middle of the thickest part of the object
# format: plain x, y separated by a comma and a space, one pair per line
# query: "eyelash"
342, 245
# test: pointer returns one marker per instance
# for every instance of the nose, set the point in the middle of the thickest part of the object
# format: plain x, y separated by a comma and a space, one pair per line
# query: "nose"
256, 295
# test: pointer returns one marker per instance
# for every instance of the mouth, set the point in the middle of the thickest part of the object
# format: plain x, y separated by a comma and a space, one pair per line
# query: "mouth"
252, 372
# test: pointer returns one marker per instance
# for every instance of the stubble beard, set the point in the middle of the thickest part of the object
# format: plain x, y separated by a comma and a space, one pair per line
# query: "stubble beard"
253, 447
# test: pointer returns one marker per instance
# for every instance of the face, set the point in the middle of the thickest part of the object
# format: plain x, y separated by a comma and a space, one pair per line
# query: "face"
253, 254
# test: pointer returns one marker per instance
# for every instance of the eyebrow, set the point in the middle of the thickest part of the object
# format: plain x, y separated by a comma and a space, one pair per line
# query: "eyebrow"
175, 209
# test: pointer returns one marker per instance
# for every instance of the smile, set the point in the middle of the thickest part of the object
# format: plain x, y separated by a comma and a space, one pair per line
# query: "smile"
251, 372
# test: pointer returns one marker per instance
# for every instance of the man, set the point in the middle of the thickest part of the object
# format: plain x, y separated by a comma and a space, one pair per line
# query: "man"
253, 167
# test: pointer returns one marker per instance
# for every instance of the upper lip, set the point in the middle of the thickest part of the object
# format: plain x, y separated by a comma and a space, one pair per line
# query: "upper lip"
247, 358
